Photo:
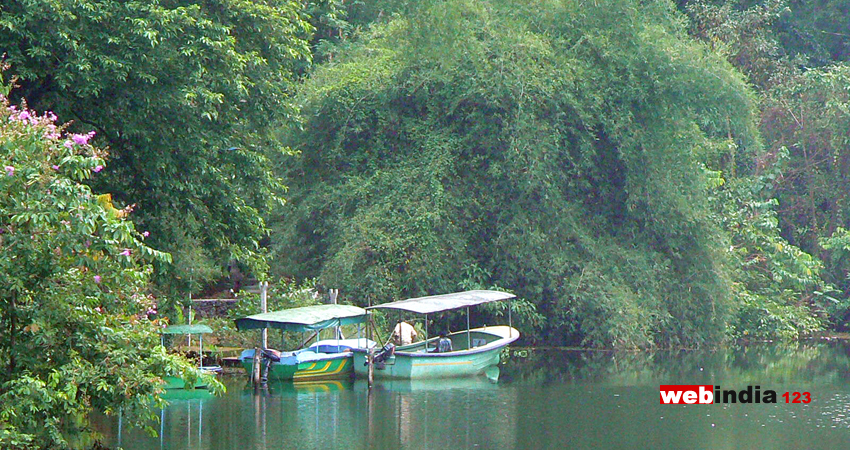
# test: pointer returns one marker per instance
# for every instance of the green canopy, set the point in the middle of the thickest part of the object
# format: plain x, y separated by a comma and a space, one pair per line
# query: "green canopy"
187, 329
307, 318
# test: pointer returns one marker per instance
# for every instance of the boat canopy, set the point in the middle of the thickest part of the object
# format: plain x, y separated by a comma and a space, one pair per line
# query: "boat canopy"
187, 329
445, 302
307, 318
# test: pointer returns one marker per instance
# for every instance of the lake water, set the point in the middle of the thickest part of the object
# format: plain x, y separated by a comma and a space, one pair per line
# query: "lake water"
544, 399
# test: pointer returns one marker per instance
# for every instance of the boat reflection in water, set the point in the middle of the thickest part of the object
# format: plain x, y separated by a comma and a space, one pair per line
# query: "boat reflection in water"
544, 399
447, 413
429, 385
456, 413
181, 422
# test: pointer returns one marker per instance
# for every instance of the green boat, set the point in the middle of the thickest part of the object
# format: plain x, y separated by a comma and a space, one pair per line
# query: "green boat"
324, 359
174, 382
471, 352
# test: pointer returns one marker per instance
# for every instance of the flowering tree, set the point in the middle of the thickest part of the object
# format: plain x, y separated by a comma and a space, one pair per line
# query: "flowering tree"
187, 96
74, 330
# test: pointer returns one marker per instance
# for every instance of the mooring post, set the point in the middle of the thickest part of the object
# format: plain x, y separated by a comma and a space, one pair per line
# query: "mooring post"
264, 291
370, 359
255, 368
370, 353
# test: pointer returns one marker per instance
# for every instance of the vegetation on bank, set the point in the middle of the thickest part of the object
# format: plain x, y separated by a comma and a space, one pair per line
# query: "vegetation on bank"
639, 173
74, 301
566, 151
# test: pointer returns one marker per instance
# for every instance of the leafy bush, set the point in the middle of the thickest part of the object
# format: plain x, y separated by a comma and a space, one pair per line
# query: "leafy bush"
74, 330
556, 145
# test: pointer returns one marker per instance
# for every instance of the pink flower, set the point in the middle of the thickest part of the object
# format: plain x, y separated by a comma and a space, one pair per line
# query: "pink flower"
68, 144
146, 234
82, 139
24, 115
97, 279
51, 133
126, 252
10, 171
98, 168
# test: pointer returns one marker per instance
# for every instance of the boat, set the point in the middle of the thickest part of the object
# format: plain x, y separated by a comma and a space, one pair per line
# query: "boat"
324, 359
474, 351
175, 382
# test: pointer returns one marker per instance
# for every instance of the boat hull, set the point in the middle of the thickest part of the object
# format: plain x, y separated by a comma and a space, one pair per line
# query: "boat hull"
413, 362
326, 369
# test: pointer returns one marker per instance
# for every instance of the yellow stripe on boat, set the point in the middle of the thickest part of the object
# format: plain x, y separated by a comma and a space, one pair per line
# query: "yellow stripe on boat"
323, 371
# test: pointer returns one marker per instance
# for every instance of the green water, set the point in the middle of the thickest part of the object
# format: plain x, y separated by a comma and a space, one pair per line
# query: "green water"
544, 399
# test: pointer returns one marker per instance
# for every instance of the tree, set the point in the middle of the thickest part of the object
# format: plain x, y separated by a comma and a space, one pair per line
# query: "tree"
185, 95
74, 330
788, 233
556, 147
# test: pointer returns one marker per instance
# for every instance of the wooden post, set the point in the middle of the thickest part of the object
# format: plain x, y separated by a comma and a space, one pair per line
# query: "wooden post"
264, 289
370, 360
255, 368
370, 354
333, 294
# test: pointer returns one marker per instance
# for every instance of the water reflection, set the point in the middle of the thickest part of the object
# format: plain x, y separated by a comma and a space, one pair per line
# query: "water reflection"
544, 399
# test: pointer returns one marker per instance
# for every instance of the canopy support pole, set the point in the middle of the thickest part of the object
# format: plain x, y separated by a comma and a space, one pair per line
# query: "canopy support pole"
426, 333
468, 334
510, 323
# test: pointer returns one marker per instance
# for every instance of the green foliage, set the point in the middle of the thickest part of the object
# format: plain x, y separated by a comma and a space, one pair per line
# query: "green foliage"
746, 36
779, 286
74, 330
808, 115
284, 294
786, 214
185, 95
556, 146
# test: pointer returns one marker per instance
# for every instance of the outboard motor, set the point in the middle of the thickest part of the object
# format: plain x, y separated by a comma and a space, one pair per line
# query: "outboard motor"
383, 355
269, 355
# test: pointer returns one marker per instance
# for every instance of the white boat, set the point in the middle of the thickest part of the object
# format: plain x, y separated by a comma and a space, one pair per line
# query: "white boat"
474, 351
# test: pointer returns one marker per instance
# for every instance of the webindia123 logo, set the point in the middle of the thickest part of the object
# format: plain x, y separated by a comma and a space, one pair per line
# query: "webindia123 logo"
707, 394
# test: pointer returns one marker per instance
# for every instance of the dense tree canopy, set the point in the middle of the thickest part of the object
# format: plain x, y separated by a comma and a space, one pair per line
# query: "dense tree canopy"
641, 173
556, 148
794, 53
184, 94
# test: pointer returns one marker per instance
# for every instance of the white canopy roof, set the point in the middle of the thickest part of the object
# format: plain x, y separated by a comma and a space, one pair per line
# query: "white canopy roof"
437, 303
